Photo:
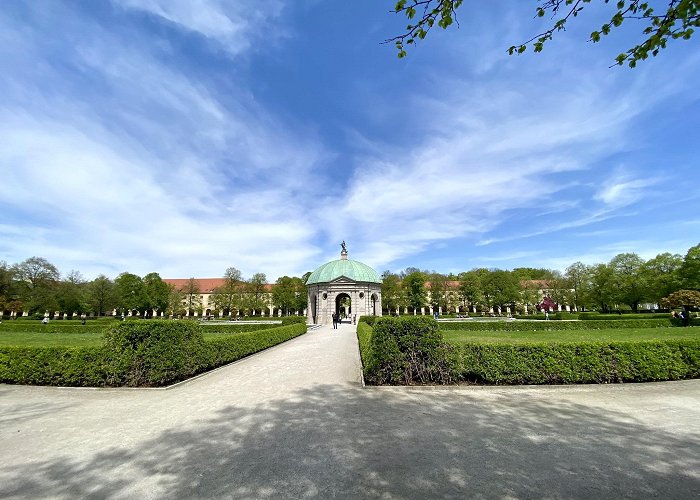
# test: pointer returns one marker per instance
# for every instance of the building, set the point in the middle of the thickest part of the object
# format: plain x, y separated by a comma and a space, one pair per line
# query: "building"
343, 286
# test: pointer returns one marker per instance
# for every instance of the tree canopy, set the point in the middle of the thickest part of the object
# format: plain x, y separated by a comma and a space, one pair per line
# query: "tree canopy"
662, 22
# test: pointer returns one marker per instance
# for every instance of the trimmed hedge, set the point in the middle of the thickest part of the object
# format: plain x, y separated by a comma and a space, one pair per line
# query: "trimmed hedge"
148, 353
596, 316
63, 366
579, 363
405, 351
515, 326
388, 358
237, 327
222, 350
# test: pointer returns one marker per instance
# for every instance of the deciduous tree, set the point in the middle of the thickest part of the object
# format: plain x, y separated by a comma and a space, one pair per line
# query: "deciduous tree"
101, 295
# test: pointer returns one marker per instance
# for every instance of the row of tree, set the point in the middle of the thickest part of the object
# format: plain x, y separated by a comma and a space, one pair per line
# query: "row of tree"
626, 281
35, 286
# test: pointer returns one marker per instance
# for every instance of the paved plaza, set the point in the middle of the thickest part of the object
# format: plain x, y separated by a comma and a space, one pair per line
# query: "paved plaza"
295, 422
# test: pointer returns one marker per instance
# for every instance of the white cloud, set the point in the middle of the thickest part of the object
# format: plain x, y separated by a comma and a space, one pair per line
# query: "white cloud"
621, 190
155, 173
234, 25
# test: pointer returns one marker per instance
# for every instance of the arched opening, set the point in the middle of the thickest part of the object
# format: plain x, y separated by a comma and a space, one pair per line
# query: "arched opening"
343, 305
313, 309
374, 304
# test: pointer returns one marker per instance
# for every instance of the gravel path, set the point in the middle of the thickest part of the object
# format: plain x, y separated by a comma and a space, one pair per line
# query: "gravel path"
295, 421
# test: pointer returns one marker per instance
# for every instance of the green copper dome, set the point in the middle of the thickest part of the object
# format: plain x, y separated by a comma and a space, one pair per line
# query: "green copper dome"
352, 269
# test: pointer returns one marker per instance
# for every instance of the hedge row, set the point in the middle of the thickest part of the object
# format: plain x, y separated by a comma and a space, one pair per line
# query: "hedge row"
596, 316
397, 353
148, 353
577, 363
237, 327
517, 326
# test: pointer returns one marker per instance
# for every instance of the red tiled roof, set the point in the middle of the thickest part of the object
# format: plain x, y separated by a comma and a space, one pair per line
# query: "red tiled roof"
451, 285
206, 285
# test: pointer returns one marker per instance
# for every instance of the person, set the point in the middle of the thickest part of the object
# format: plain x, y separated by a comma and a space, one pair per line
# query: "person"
45, 321
82, 318
354, 319
546, 314
335, 321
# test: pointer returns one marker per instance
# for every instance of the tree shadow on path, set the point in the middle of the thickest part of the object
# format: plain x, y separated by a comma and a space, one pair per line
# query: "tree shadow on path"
343, 441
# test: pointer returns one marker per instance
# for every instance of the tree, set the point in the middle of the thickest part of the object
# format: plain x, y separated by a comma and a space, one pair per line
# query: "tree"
175, 301
9, 296
662, 24
439, 291
393, 296
191, 296
287, 294
628, 279
689, 298
38, 283
101, 295
601, 287
256, 291
414, 288
661, 275
131, 294
690, 269
71, 294
578, 275
228, 297
470, 291
500, 288
157, 293
530, 293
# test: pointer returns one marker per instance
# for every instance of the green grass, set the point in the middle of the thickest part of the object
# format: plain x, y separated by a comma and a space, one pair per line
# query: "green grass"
73, 334
45, 339
606, 335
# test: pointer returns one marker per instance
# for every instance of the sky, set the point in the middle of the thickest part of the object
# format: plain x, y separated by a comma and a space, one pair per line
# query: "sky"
184, 137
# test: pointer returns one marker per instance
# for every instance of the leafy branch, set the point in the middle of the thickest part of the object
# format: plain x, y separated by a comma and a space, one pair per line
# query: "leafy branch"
677, 21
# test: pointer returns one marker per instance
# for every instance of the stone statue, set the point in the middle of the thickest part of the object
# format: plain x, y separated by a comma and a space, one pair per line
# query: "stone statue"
345, 250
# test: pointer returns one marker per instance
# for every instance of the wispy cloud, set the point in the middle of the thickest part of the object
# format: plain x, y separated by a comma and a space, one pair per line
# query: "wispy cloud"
621, 190
235, 26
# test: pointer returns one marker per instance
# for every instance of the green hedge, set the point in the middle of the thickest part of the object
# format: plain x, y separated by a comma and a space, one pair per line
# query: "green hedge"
578, 362
236, 327
514, 326
390, 351
63, 366
404, 351
148, 353
222, 350
596, 316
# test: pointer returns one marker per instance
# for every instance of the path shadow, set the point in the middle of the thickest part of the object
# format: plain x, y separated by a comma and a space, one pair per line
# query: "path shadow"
342, 441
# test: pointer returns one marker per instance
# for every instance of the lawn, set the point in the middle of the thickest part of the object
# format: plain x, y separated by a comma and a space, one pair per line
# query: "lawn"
73, 334
564, 336
90, 337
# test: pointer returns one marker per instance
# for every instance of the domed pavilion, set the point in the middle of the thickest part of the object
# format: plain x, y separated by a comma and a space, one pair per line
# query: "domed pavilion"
345, 286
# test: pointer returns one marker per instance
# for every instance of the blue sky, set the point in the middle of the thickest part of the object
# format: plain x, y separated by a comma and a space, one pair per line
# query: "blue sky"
185, 137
